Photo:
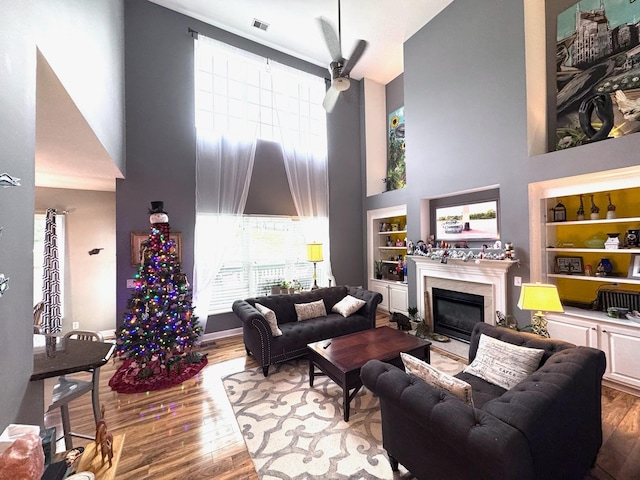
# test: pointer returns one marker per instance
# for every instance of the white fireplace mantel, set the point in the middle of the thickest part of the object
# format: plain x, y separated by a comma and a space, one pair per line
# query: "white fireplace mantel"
485, 272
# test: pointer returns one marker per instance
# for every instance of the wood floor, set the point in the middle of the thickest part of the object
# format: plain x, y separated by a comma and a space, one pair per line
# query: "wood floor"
190, 431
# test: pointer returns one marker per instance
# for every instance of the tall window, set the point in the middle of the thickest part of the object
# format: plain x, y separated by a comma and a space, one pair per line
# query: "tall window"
241, 97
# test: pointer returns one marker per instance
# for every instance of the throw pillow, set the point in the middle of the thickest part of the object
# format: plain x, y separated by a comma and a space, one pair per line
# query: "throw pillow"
310, 310
433, 376
502, 363
348, 305
270, 315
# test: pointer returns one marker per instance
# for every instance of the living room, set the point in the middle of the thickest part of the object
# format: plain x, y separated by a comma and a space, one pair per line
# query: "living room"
464, 88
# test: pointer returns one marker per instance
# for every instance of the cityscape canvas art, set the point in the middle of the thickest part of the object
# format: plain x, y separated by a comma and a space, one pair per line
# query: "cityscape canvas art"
598, 71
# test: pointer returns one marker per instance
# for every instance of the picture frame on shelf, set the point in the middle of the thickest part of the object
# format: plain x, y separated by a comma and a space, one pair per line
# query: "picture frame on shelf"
634, 267
569, 265
137, 238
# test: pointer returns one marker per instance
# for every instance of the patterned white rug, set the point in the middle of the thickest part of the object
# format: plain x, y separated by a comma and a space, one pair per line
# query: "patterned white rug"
293, 431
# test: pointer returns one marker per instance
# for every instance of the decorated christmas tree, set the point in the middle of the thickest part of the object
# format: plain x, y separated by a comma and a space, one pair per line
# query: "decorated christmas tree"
159, 329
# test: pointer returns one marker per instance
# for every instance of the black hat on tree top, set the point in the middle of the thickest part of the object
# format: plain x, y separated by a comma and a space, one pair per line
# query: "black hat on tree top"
157, 207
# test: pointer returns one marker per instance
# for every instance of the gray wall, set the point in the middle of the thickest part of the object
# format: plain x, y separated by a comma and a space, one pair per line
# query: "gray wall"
161, 143
88, 34
466, 124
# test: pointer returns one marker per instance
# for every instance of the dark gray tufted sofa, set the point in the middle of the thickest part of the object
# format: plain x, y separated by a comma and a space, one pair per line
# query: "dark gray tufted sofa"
268, 350
547, 427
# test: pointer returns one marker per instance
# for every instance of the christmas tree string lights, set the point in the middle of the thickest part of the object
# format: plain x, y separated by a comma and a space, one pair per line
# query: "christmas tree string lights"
159, 329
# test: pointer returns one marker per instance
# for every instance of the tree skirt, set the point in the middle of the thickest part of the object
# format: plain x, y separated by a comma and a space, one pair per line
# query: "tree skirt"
126, 379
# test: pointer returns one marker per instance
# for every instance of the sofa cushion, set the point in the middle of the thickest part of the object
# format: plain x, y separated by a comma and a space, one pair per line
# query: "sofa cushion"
348, 306
438, 379
310, 310
503, 364
270, 316
296, 335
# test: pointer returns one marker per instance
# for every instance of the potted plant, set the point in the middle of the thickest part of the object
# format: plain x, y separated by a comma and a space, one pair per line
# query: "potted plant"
377, 266
284, 286
296, 285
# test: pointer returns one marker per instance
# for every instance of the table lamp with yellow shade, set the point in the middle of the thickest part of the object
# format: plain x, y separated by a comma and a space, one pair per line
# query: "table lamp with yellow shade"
539, 297
314, 254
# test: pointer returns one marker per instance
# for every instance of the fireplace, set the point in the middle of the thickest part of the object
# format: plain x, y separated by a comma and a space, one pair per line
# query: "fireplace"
486, 278
456, 313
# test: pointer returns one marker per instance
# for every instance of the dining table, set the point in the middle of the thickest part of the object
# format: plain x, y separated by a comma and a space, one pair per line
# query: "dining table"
54, 355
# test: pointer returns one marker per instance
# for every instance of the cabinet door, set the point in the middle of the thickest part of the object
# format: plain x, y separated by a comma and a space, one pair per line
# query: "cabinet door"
382, 289
622, 348
398, 299
573, 330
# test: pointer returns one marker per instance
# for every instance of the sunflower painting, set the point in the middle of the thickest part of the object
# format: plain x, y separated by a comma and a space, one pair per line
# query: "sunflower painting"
396, 171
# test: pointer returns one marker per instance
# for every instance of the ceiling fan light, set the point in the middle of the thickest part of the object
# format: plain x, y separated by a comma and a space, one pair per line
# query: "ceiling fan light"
341, 84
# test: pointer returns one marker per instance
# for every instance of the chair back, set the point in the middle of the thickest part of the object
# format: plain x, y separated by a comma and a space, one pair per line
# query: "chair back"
85, 335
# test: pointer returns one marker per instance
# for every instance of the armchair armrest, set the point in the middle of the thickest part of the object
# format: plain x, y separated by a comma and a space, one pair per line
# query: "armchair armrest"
442, 429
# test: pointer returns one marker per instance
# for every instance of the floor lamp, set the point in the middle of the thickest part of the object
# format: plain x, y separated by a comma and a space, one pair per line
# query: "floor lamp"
314, 254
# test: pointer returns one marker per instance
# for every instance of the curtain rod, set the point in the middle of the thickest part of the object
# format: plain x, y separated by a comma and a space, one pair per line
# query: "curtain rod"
192, 32
58, 212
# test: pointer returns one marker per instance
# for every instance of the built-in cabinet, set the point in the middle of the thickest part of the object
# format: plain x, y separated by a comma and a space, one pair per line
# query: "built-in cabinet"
617, 339
394, 295
386, 256
569, 253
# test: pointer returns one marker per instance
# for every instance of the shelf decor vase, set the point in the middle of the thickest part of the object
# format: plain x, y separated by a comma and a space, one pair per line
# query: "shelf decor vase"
595, 210
611, 208
613, 242
580, 212
605, 268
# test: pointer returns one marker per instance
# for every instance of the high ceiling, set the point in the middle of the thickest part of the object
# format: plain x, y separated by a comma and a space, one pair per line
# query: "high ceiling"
293, 27
68, 153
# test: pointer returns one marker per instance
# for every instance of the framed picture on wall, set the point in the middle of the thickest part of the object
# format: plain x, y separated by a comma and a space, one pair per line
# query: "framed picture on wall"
634, 267
138, 240
569, 265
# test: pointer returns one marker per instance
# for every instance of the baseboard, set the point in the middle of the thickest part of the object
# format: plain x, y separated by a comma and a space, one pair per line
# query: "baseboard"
213, 336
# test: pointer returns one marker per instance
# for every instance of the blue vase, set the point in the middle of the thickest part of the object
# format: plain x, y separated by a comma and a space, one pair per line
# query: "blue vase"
605, 268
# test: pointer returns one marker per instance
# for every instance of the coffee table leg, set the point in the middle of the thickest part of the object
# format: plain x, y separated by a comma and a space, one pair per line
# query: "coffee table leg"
311, 371
346, 400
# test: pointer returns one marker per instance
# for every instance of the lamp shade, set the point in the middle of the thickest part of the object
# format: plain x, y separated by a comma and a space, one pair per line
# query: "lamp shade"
539, 296
314, 252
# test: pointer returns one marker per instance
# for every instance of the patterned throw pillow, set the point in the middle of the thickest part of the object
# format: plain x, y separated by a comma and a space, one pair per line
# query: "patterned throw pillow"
310, 310
270, 315
433, 376
348, 306
502, 363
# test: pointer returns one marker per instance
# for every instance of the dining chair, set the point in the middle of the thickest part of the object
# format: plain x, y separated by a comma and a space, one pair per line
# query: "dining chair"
68, 389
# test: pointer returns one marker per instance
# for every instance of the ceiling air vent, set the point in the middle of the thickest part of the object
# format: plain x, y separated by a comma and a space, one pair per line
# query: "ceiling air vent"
260, 25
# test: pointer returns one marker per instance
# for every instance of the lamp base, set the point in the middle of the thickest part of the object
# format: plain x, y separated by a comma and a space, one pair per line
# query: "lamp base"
315, 285
539, 325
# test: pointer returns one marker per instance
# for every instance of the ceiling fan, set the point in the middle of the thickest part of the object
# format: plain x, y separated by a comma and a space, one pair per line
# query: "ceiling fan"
339, 66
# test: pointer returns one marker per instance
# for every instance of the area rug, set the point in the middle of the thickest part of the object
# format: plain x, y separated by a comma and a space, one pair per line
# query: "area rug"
293, 431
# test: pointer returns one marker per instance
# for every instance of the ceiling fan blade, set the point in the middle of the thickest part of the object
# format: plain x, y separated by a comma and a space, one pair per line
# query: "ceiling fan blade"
331, 39
330, 98
361, 46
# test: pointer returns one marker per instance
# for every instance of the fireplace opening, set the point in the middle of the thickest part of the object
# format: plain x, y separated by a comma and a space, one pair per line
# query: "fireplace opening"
456, 313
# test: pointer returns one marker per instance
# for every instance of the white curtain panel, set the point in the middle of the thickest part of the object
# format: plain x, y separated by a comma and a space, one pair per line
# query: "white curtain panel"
304, 148
223, 176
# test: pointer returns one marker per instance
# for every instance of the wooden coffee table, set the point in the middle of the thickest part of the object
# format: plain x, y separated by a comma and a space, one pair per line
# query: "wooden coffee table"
341, 358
